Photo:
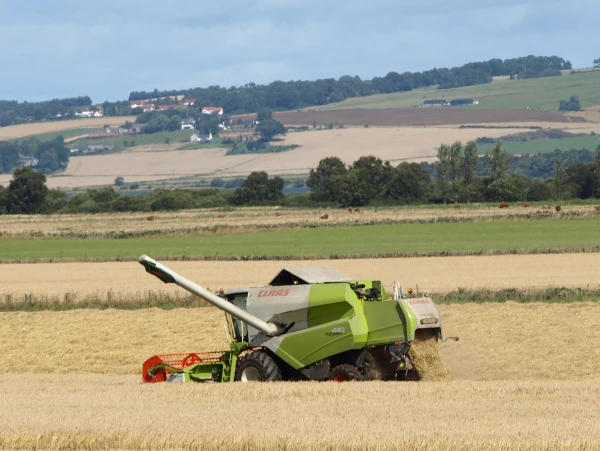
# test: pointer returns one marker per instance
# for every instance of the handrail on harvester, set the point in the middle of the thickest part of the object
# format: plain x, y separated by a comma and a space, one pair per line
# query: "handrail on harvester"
167, 275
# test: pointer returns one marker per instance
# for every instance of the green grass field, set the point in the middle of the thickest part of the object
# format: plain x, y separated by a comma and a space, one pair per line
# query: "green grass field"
500, 235
545, 146
544, 93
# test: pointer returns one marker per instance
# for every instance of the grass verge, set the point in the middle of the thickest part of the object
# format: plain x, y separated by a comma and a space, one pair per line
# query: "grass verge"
168, 301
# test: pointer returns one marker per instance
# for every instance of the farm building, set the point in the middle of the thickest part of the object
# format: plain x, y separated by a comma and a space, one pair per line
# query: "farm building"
435, 102
202, 139
212, 110
104, 146
28, 161
188, 124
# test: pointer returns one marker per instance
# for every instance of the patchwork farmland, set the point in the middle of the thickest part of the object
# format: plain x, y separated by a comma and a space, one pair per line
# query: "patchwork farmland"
81, 387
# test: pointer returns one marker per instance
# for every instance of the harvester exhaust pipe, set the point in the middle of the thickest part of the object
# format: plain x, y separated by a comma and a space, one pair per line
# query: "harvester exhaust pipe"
169, 276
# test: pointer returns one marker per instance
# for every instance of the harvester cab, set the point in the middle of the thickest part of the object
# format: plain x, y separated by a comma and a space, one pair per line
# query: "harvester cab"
309, 322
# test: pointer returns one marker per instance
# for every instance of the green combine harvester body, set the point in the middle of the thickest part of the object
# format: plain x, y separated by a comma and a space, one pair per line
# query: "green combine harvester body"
308, 323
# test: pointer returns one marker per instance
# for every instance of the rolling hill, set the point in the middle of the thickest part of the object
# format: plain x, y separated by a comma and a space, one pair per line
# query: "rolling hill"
543, 93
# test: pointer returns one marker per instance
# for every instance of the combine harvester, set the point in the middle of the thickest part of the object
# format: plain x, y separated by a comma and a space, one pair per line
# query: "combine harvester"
309, 323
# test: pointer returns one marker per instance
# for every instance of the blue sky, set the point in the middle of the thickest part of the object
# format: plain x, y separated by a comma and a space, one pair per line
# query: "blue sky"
107, 49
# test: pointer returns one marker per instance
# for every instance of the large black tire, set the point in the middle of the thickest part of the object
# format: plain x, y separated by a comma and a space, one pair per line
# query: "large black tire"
345, 373
257, 366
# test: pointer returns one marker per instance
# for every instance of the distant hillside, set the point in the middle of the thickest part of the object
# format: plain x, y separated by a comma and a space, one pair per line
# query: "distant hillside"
291, 95
543, 93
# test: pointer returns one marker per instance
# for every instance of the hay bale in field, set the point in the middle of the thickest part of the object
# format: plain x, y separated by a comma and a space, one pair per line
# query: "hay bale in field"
457, 205
325, 216
150, 218
526, 204
425, 357
558, 208
504, 205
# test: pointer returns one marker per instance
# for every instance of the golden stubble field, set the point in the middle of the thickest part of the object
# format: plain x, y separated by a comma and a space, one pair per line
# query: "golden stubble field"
255, 216
117, 412
509, 341
525, 377
432, 274
38, 128
388, 143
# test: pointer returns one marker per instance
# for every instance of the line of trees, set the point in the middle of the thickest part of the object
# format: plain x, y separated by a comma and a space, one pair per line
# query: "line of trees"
52, 155
367, 181
13, 112
538, 166
281, 95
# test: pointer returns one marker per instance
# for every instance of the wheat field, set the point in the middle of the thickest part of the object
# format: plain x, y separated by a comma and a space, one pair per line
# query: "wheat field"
507, 341
433, 274
15, 225
523, 377
38, 128
95, 412
388, 143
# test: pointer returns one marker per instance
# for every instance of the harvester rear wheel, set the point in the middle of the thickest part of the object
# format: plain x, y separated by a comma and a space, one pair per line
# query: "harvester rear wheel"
257, 366
345, 373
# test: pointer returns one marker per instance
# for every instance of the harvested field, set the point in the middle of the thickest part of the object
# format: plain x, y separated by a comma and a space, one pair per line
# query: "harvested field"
37, 128
349, 144
100, 223
419, 117
118, 412
435, 274
507, 341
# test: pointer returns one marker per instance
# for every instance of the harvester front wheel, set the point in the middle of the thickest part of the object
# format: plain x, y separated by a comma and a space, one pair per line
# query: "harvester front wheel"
257, 366
345, 373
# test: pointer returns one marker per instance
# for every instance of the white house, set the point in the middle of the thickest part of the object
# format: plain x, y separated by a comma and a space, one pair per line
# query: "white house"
212, 110
28, 161
188, 102
188, 124
201, 138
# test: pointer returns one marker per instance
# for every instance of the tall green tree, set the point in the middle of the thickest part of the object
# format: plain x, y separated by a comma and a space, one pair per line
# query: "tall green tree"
560, 177
455, 169
498, 162
26, 192
259, 189
572, 104
264, 114
3, 200
597, 170
470, 165
410, 183
327, 180
366, 181
270, 128
443, 170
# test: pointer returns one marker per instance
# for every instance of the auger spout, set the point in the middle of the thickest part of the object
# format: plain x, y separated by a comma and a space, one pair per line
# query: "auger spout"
167, 275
